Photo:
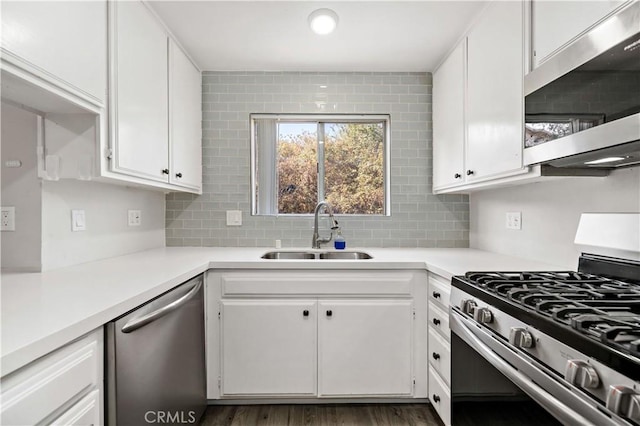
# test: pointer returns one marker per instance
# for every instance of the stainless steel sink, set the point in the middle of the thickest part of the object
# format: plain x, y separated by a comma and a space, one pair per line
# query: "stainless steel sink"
307, 255
289, 255
348, 255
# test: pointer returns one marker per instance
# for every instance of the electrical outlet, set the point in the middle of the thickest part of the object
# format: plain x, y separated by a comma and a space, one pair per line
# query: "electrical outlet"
134, 217
78, 220
514, 220
8, 218
234, 217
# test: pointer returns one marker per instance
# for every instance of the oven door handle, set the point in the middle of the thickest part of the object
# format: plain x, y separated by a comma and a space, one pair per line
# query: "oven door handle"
561, 411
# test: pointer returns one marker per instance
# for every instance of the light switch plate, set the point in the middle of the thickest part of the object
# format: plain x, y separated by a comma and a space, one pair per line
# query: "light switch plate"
78, 221
234, 217
514, 220
8, 217
134, 217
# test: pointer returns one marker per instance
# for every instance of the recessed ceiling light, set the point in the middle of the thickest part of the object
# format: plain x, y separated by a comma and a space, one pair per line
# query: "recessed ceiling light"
606, 160
323, 21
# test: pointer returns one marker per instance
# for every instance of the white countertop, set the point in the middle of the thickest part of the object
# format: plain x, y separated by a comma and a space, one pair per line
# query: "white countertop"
43, 311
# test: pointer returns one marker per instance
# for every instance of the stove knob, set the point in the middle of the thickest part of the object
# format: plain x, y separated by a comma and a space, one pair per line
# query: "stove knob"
624, 401
483, 315
468, 306
520, 338
581, 374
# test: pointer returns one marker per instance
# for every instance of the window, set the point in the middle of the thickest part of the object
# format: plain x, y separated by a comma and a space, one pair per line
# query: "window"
300, 160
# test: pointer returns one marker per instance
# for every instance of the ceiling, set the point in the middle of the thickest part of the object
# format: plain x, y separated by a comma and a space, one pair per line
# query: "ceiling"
374, 36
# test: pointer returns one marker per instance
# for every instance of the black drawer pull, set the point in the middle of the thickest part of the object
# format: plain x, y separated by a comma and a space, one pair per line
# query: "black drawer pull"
457, 176
436, 398
178, 175
436, 295
165, 171
435, 356
305, 313
470, 172
329, 313
436, 321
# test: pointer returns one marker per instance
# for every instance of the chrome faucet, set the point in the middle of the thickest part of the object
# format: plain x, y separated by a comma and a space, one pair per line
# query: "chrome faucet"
316, 240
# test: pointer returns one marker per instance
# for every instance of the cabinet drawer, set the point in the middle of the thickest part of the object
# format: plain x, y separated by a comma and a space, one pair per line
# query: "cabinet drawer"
440, 356
439, 291
34, 392
84, 412
439, 320
440, 396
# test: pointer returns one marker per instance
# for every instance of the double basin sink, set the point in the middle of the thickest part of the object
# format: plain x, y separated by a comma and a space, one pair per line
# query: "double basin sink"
310, 255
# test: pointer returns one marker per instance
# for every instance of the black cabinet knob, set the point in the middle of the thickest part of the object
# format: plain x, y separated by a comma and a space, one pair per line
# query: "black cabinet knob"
470, 172
305, 313
457, 176
165, 171
436, 321
436, 398
329, 313
436, 295
178, 175
435, 356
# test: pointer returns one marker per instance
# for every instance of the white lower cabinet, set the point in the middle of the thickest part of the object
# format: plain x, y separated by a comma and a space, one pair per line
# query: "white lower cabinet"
440, 396
439, 347
269, 347
85, 412
319, 339
364, 347
62, 387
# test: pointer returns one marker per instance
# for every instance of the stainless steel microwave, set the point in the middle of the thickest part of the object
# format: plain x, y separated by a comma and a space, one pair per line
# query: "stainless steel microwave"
582, 106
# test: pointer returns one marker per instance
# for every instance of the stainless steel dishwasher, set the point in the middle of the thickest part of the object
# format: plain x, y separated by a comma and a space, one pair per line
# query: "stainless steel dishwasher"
155, 360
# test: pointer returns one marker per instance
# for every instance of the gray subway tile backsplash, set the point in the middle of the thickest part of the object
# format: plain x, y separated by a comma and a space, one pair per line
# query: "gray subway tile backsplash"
418, 218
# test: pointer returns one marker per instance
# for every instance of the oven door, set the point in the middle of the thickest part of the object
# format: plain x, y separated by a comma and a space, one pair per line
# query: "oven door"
562, 400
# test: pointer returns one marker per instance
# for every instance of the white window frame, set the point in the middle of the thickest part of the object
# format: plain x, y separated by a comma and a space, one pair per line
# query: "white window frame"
268, 203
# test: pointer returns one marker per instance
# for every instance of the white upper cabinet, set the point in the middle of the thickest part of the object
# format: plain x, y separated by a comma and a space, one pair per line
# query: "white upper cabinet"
140, 95
477, 105
448, 119
156, 104
494, 97
555, 23
185, 120
64, 43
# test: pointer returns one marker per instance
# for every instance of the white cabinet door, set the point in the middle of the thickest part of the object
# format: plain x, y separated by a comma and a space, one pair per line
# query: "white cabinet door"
448, 119
555, 23
185, 122
494, 107
62, 41
84, 412
268, 347
35, 392
140, 123
365, 348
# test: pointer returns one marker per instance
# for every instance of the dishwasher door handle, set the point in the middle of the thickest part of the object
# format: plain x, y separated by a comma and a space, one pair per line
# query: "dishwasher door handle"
136, 323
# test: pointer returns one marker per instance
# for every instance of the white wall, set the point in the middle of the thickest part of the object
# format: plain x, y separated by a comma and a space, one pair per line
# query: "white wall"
550, 214
107, 233
20, 189
43, 238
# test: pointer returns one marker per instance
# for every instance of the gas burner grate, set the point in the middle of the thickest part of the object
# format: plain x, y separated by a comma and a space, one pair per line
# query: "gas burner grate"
620, 329
607, 310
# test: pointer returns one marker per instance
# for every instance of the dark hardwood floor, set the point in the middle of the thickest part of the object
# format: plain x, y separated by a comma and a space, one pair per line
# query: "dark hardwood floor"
321, 415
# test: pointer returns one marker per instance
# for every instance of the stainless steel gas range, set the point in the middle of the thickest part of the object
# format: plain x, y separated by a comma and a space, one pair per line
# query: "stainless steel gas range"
568, 340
